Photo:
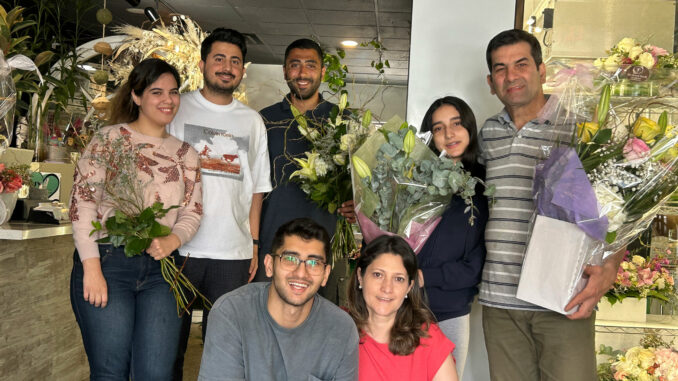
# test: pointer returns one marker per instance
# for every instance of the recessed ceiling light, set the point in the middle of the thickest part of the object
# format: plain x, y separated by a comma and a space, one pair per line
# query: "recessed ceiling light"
349, 43
137, 11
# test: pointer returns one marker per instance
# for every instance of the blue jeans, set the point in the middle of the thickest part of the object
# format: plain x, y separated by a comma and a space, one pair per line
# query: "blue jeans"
136, 335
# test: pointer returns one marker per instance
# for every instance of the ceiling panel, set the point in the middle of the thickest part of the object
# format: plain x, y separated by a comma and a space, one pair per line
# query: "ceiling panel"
323, 17
279, 22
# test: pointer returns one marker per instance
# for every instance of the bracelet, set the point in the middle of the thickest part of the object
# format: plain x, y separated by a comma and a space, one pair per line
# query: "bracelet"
255, 241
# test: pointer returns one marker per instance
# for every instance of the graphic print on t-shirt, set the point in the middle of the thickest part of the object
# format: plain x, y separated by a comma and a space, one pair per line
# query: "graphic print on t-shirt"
220, 150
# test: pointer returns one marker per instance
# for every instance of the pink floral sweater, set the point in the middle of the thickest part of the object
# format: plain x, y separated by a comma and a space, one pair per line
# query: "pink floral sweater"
170, 169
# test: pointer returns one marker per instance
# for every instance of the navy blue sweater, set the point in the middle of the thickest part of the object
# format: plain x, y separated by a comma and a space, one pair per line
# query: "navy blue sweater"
453, 256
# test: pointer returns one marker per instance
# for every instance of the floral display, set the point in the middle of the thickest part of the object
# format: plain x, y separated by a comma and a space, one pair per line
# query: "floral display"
653, 360
178, 43
324, 174
403, 187
610, 167
134, 224
10, 179
629, 51
643, 278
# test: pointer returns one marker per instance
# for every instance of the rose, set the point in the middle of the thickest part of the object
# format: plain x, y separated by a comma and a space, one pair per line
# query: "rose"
626, 44
646, 59
655, 50
635, 51
347, 142
635, 149
646, 129
585, 131
612, 62
638, 260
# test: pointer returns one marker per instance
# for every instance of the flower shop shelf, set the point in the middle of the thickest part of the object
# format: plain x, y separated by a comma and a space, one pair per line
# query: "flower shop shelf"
664, 325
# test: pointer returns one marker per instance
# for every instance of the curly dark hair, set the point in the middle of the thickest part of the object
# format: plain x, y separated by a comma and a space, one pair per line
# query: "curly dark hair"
413, 317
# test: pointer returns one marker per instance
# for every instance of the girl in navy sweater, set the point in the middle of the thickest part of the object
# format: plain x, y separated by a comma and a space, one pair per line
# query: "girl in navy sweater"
452, 258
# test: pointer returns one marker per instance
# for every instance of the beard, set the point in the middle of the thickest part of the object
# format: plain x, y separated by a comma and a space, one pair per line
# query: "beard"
215, 87
307, 93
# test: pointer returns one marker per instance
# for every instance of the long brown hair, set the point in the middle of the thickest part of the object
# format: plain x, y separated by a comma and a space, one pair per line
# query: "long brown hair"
123, 108
413, 317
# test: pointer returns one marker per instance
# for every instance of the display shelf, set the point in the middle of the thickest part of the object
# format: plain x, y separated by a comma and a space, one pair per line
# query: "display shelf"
663, 325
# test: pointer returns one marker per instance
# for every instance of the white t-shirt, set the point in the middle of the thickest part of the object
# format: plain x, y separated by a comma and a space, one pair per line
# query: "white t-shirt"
231, 141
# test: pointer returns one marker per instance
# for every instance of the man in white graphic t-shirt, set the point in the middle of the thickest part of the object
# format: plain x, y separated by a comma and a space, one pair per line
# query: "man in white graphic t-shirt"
231, 140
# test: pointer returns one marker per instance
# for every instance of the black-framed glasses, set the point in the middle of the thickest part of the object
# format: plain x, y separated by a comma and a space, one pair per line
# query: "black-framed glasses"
291, 262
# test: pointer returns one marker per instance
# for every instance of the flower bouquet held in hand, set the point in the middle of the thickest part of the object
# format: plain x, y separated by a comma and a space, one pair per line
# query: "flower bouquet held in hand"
403, 188
324, 174
638, 277
653, 360
607, 172
134, 225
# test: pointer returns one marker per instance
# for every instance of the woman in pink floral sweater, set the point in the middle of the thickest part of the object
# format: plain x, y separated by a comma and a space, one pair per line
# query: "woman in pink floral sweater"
124, 307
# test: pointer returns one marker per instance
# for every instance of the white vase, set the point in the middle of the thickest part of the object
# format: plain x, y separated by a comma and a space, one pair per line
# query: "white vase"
629, 309
7, 204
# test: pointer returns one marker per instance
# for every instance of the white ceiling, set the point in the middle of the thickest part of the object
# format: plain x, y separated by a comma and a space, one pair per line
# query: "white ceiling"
278, 22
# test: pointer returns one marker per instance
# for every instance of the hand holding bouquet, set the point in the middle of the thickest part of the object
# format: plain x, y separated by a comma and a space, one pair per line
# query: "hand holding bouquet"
403, 188
324, 174
134, 224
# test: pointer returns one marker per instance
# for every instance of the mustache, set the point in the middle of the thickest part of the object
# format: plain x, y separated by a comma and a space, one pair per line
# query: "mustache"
224, 73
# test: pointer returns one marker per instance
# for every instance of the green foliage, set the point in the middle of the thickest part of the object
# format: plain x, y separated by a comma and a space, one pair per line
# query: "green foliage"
380, 63
335, 71
135, 232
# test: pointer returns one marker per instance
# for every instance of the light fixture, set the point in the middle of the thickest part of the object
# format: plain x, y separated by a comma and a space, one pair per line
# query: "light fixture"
151, 14
136, 11
349, 43
87, 67
531, 20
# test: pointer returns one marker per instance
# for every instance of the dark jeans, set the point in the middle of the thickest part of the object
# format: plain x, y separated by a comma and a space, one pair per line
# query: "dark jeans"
136, 335
213, 278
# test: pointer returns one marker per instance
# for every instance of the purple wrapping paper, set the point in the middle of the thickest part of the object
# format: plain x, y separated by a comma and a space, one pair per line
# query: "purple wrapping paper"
563, 192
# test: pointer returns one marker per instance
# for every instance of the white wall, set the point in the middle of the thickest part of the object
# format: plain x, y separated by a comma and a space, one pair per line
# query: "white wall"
447, 57
265, 85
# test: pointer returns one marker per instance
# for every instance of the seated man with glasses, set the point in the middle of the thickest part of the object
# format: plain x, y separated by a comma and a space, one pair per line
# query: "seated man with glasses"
282, 330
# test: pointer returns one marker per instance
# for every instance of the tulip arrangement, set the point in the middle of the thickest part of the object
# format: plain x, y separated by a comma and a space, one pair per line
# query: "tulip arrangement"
324, 173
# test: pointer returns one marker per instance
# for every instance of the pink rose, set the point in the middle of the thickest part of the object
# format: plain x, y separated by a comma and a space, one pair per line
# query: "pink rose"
645, 276
656, 51
635, 149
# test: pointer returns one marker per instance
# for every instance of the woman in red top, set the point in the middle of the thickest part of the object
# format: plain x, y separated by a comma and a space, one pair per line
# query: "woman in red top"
399, 339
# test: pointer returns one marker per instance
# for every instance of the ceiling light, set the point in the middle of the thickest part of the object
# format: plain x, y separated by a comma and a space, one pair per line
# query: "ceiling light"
87, 67
137, 11
349, 43
531, 20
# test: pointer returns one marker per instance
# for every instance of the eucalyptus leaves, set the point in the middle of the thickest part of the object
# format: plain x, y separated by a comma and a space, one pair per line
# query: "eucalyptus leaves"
404, 185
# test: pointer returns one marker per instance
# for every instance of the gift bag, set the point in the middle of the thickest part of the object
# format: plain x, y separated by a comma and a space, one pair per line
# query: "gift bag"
554, 264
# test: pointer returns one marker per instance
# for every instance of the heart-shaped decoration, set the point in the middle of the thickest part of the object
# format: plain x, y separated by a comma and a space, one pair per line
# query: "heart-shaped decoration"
49, 181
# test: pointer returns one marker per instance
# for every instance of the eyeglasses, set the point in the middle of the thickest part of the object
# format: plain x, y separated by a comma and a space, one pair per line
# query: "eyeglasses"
291, 262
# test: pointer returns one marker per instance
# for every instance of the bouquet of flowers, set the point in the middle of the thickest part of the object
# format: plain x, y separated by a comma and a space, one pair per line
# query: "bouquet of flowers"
403, 188
629, 51
653, 360
324, 174
10, 179
639, 277
134, 224
608, 172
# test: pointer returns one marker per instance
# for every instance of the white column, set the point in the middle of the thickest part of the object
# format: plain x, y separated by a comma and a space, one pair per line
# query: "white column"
447, 57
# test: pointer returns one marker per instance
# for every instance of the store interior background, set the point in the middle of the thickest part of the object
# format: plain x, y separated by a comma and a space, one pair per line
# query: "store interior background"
435, 48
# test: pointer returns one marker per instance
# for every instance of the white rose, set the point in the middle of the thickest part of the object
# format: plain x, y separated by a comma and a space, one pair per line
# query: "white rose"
626, 44
347, 142
611, 205
646, 60
661, 284
635, 52
612, 62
